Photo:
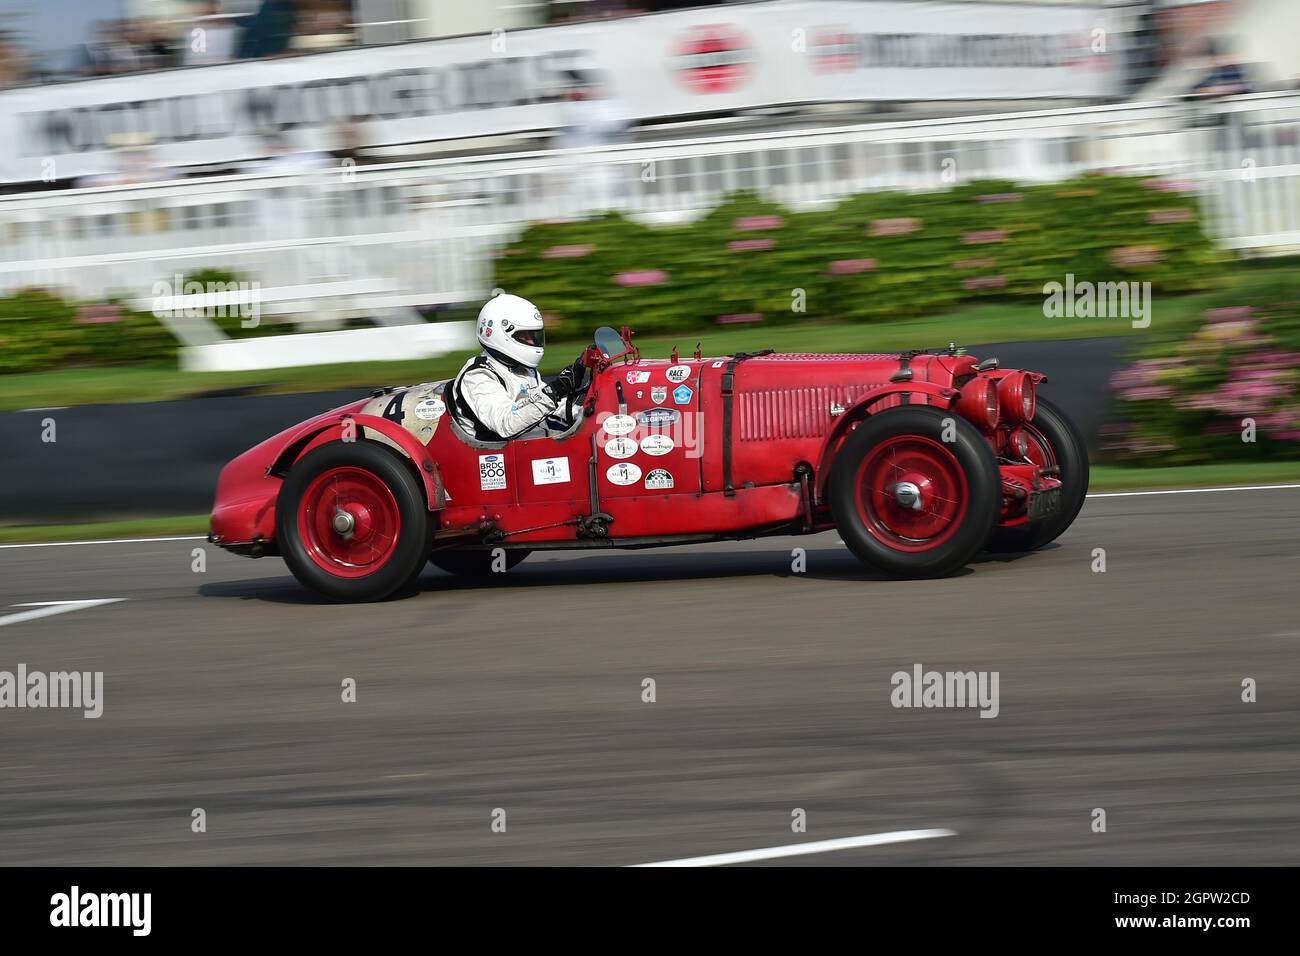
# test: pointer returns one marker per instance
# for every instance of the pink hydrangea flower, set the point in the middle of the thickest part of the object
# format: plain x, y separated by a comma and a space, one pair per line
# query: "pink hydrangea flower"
982, 236
569, 252
844, 267
984, 282
646, 277
751, 223
894, 227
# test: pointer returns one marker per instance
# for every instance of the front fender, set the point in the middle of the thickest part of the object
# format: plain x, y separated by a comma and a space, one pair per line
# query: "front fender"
342, 426
939, 395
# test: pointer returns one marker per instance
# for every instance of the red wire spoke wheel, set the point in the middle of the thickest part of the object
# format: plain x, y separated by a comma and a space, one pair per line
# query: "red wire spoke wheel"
906, 501
912, 493
349, 521
352, 522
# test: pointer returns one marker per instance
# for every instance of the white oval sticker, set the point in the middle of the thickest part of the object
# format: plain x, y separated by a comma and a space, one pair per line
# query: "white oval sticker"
430, 409
656, 444
619, 424
624, 473
678, 373
620, 448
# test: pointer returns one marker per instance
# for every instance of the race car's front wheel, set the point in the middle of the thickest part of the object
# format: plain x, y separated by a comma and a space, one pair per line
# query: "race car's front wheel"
915, 491
1053, 440
352, 523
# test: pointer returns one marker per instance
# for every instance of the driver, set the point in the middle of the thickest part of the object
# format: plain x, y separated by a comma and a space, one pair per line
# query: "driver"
498, 394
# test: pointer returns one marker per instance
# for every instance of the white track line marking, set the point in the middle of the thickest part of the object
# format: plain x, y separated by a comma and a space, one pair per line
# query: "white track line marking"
66, 544
201, 537
802, 849
50, 608
1186, 491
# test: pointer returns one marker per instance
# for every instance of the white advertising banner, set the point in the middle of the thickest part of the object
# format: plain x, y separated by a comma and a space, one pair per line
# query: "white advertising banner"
706, 60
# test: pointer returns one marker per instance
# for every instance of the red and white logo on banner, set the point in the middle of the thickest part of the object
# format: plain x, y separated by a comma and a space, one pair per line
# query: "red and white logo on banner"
713, 58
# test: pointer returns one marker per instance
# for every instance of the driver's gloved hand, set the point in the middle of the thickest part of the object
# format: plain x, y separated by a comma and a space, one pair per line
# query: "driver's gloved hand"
568, 381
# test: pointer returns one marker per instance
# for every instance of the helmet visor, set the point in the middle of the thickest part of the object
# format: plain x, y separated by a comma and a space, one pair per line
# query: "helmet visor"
532, 337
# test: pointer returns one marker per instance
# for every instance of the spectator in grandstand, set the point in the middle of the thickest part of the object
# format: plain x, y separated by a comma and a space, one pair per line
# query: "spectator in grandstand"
1226, 77
134, 163
109, 51
268, 32
15, 62
211, 37
322, 25
153, 43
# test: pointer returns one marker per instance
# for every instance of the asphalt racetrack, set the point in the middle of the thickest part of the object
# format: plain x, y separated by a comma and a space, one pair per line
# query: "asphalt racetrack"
1119, 690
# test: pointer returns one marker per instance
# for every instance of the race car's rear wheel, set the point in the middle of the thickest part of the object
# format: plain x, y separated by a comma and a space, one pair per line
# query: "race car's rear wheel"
1053, 440
915, 491
352, 523
474, 563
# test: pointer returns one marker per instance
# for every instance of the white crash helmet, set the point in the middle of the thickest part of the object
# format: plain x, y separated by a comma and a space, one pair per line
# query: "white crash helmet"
512, 326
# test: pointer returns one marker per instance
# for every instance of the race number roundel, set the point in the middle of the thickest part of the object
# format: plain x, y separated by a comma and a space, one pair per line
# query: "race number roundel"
624, 473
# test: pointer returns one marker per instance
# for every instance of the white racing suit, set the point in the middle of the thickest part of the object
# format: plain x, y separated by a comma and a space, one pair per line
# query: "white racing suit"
497, 401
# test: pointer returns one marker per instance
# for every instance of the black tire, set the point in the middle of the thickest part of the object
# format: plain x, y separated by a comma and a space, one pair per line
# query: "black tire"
409, 540
868, 521
1070, 453
474, 564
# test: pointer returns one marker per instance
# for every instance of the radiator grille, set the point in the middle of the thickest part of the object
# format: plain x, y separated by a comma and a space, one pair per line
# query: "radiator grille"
791, 412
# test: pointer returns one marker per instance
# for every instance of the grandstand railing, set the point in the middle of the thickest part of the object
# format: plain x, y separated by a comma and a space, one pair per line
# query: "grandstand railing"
375, 241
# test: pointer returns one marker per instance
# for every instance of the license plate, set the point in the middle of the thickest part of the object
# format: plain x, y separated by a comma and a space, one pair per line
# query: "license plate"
1044, 503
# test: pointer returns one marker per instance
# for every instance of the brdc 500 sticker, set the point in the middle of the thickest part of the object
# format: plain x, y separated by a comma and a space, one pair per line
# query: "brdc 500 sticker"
624, 473
550, 471
619, 424
678, 373
491, 472
620, 448
658, 394
658, 480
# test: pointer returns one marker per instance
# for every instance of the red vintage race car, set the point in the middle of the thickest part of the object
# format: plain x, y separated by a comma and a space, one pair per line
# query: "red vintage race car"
919, 460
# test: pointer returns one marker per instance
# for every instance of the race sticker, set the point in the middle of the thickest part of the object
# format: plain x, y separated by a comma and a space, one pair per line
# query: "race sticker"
678, 373
620, 448
657, 417
658, 480
658, 394
624, 473
491, 472
550, 471
638, 378
656, 444
430, 408
619, 424
682, 395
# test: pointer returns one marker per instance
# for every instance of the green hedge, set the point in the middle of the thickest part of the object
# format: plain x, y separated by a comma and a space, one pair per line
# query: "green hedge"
39, 331
924, 253
1187, 400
